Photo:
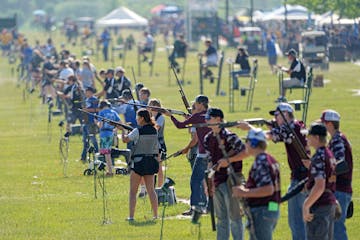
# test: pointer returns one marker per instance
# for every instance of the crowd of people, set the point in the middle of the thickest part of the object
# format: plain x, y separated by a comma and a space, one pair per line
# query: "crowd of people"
71, 83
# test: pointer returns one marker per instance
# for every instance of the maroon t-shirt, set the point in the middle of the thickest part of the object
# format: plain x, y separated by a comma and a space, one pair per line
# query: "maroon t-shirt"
341, 149
323, 166
263, 172
284, 134
232, 144
201, 132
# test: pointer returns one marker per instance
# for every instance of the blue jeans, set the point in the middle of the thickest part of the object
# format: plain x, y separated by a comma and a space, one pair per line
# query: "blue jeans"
92, 138
264, 222
322, 225
295, 217
198, 197
234, 75
228, 214
339, 226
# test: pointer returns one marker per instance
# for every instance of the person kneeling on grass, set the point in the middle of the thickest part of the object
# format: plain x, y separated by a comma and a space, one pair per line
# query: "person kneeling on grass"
144, 163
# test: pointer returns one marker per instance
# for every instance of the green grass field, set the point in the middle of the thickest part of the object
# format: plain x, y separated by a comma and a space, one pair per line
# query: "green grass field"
38, 202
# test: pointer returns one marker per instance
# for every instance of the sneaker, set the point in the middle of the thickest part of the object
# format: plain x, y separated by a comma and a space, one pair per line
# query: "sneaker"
150, 62
129, 219
188, 213
212, 79
145, 58
142, 194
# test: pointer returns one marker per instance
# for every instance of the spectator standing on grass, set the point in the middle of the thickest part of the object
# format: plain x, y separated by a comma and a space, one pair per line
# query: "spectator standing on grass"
105, 40
271, 52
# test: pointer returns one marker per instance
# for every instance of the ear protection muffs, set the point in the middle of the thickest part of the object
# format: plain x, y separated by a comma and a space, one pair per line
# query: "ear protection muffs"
254, 142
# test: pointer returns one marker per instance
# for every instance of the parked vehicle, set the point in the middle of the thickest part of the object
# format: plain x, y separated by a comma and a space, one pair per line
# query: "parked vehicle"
313, 49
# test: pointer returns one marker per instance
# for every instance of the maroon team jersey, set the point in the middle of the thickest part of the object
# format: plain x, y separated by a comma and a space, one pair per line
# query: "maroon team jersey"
323, 166
201, 132
263, 172
232, 144
284, 134
341, 149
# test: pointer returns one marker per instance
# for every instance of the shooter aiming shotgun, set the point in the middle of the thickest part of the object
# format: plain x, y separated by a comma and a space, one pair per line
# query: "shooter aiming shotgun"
111, 122
299, 148
252, 121
158, 109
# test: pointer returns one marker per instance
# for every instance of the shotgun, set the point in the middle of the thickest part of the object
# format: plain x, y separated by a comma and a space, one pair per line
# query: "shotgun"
181, 91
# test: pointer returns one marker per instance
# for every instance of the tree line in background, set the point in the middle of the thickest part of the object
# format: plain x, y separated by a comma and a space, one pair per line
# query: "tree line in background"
345, 8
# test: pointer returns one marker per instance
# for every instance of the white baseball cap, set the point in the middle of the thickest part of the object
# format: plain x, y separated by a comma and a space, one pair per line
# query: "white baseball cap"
330, 115
284, 107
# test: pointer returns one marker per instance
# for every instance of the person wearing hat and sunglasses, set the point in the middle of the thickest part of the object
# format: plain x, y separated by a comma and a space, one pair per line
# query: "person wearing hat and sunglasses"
319, 206
262, 189
226, 207
198, 197
296, 71
342, 151
282, 133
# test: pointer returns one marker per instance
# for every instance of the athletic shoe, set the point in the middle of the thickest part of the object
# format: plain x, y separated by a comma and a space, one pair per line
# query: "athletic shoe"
188, 213
142, 194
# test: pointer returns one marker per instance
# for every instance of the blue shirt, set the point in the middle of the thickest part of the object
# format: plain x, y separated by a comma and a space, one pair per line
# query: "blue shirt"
91, 103
107, 129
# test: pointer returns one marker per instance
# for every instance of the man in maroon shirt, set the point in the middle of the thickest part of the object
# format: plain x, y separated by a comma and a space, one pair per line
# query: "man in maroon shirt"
282, 133
341, 149
227, 208
198, 197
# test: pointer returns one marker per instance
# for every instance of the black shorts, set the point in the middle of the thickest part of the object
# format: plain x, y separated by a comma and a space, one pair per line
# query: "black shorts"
147, 166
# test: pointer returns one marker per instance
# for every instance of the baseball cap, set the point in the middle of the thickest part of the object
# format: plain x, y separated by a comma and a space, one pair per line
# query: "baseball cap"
214, 112
126, 94
330, 115
284, 107
318, 129
110, 71
291, 52
256, 133
119, 69
202, 99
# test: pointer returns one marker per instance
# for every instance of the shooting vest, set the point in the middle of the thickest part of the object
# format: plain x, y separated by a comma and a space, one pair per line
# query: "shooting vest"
147, 144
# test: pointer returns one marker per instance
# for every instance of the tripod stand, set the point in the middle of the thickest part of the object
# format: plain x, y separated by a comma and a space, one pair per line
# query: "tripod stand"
49, 132
64, 148
106, 217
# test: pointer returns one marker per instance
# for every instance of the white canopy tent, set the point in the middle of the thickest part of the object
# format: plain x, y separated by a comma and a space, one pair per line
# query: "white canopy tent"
122, 17
293, 12
332, 18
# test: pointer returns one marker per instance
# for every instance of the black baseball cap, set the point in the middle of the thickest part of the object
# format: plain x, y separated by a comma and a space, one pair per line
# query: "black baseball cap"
318, 129
126, 94
214, 112
110, 71
91, 89
202, 99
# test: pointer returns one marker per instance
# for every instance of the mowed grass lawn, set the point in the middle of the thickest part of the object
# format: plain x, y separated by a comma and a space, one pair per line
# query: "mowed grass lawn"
38, 202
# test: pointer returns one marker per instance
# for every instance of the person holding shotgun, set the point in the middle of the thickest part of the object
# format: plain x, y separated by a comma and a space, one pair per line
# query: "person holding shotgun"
198, 197
341, 148
107, 133
262, 189
320, 204
226, 207
288, 131
144, 163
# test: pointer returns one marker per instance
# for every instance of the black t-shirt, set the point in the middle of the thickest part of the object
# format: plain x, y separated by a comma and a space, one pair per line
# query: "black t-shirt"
75, 97
298, 70
243, 60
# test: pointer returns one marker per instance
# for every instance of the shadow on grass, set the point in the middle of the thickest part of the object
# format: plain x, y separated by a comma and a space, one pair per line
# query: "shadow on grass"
142, 223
